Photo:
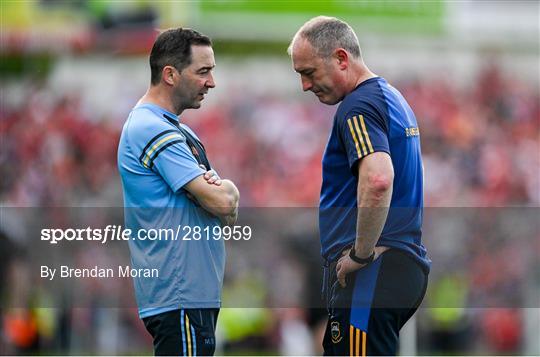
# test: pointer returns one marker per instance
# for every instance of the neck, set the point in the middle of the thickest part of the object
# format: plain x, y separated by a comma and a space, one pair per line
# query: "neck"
159, 96
362, 74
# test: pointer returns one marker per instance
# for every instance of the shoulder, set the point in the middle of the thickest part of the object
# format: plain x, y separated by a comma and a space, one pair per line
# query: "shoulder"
145, 126
367, 99
365, 105
189, 130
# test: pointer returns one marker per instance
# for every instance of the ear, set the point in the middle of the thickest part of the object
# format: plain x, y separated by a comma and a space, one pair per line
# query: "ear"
342, 58
167, 74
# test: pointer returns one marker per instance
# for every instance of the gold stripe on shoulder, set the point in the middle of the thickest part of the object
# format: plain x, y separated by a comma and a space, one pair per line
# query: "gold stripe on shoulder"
354, 138
158, 144
364, 130
360, 136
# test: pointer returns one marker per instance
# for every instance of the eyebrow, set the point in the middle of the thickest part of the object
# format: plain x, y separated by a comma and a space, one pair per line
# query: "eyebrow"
205, 68
304, 70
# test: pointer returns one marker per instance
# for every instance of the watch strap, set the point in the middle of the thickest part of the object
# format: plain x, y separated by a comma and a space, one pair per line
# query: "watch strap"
358, 260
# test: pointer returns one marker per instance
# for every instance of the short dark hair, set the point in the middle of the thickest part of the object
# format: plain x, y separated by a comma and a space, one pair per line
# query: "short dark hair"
173, 48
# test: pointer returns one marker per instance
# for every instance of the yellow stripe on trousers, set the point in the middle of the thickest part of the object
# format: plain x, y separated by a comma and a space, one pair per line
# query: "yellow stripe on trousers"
357, 345
188, 332
354, 342
364, 342
351, 340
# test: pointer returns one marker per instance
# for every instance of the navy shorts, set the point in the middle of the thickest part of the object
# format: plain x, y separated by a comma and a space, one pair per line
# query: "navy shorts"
183, 332
365, 317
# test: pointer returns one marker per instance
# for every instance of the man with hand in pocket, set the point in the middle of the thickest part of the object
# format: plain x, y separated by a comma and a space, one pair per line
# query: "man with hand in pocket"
371, 201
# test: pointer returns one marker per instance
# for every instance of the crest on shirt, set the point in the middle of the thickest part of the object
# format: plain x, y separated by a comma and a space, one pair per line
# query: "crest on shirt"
335, 332
412, 131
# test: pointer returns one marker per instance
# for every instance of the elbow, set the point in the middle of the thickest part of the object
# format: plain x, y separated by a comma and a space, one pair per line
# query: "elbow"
227, 205
375, 181
228, 202
380, 185
380, 182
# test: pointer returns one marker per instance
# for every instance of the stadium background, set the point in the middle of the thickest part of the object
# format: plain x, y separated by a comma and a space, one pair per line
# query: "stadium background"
71, 71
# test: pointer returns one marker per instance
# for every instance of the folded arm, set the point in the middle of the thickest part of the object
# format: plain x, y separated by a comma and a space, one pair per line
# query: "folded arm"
220, 198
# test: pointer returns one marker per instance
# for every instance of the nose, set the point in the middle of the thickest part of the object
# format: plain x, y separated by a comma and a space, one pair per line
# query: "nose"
210, 82
306, 84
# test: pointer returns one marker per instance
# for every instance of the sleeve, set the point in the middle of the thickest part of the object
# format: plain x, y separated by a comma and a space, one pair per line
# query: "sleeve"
167, 154
363, 132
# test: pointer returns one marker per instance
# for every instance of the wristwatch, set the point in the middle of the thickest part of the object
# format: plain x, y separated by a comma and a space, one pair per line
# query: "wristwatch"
355, 259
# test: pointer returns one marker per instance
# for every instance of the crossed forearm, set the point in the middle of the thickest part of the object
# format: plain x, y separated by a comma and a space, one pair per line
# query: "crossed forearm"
230, 217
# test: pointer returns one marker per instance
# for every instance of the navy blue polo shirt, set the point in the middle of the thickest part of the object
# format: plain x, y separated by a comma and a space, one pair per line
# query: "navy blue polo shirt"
373, 117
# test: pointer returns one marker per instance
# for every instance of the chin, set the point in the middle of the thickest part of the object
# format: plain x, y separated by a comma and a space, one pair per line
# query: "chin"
329, 101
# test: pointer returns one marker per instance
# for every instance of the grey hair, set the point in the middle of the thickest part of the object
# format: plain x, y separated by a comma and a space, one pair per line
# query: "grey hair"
326, 34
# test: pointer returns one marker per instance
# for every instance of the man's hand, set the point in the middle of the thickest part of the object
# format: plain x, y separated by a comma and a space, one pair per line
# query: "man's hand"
211, 176
345, 266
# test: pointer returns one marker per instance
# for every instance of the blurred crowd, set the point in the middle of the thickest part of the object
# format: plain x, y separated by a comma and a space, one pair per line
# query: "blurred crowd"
480, 149
480, 146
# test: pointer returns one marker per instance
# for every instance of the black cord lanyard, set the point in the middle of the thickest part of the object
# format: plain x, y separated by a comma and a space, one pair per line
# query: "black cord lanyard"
197, 148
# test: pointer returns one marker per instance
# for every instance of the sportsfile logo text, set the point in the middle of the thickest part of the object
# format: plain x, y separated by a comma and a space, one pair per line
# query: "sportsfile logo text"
118, 233
109, 233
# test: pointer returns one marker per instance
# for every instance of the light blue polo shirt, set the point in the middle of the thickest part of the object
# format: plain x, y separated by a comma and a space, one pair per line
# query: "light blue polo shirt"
155, 163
